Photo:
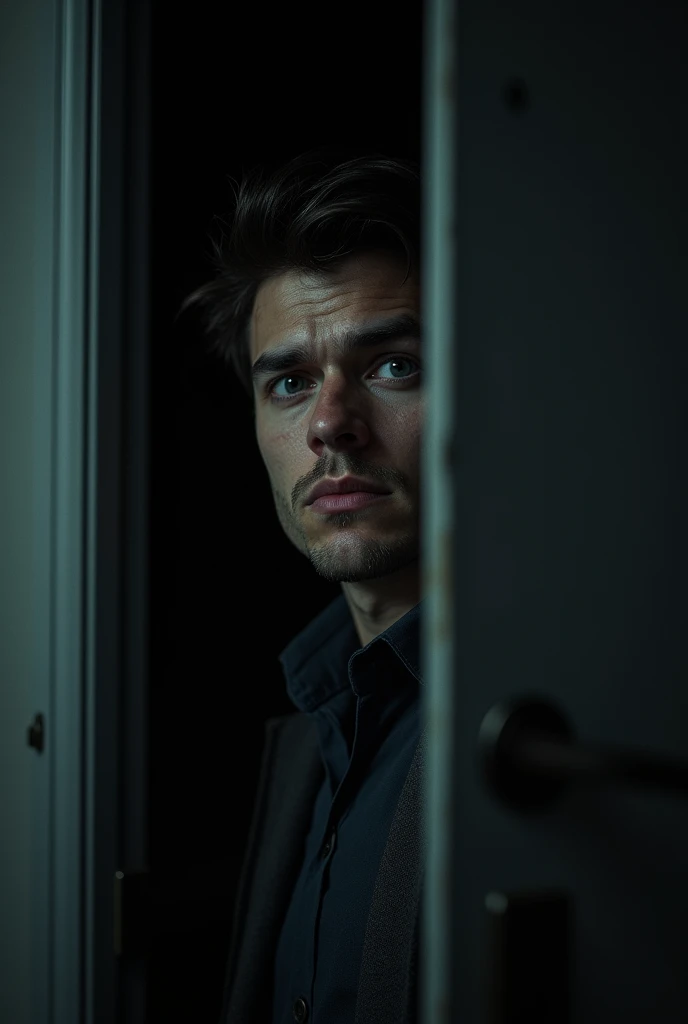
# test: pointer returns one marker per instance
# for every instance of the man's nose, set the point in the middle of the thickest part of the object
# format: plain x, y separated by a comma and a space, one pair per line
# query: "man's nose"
338, 420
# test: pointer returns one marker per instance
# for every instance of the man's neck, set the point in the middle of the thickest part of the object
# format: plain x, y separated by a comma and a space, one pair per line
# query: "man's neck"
376, 604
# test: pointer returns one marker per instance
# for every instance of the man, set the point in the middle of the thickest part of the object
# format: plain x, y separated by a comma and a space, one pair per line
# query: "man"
316, 303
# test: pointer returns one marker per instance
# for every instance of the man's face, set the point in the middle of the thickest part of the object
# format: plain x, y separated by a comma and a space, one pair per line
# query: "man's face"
337, 408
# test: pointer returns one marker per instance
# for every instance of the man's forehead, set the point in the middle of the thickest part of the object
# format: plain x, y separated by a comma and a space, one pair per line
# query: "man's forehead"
311, 306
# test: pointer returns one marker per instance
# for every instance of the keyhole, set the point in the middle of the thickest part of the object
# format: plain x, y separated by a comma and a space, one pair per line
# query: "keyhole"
516, 95
36, 733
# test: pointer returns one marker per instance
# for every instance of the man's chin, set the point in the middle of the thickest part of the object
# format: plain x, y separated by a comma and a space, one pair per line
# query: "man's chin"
335, 575
362, 560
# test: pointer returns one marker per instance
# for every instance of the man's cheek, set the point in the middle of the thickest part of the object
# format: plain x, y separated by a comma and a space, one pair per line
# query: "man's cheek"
271, 448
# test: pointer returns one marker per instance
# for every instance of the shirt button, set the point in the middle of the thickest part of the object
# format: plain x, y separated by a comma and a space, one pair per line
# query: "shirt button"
300, 1010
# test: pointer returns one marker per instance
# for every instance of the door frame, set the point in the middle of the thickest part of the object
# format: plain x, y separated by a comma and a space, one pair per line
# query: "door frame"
97, 731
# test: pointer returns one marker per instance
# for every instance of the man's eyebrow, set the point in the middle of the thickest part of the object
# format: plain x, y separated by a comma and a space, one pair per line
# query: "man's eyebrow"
392, 329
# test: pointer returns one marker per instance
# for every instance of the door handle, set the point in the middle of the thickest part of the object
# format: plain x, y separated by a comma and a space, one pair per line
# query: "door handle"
529, 758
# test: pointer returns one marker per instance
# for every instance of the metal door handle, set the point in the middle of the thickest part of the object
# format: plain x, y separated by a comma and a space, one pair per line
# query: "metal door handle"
529, 757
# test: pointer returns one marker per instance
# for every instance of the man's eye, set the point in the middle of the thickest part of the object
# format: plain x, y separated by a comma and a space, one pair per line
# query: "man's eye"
287, 381
396, 362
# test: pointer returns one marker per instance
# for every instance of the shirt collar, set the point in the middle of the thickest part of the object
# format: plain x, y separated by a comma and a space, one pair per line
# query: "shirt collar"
315, 662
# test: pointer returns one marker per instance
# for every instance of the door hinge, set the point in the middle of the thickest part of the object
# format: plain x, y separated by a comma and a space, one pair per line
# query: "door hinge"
149, 907
131, 913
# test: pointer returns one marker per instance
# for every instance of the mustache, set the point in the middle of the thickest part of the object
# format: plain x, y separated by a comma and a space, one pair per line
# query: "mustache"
349, 466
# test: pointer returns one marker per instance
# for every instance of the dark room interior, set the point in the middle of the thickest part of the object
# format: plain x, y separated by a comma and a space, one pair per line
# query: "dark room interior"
232, 86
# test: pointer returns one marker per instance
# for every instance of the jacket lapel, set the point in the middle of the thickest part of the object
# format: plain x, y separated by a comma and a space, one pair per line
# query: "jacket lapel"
388, 982
290, 775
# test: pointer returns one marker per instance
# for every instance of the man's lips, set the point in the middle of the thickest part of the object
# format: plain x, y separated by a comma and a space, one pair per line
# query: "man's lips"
345, 485
347, 502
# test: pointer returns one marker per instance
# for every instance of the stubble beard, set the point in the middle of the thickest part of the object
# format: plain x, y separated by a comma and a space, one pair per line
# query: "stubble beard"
347, 557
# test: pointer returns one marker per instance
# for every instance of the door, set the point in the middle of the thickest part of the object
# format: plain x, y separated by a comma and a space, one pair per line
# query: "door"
556, 511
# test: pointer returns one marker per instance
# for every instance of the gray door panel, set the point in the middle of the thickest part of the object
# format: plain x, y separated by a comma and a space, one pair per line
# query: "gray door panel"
569, 492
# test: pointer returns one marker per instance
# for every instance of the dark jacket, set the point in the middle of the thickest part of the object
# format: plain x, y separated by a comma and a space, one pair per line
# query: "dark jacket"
291, 773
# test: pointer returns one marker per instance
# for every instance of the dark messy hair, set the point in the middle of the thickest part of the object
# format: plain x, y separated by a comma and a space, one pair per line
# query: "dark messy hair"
307, 215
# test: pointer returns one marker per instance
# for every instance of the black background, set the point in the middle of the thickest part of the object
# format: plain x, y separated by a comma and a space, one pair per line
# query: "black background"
233, 86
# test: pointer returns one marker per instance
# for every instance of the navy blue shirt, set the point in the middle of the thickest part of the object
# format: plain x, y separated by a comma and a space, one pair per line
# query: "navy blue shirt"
365, 702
